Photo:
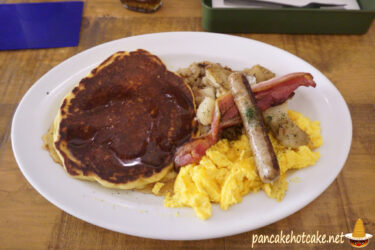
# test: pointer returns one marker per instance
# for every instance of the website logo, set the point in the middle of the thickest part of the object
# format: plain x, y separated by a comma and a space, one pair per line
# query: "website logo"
359, 238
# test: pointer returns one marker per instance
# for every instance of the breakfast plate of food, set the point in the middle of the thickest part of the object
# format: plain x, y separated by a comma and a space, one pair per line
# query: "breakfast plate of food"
182, 135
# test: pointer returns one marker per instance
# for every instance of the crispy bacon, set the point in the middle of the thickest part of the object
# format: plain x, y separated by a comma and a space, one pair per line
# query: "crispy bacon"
299, 78
194, 150
229, 112
268, 93
277, 90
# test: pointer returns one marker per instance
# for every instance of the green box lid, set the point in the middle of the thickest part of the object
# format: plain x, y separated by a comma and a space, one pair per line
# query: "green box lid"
288, 20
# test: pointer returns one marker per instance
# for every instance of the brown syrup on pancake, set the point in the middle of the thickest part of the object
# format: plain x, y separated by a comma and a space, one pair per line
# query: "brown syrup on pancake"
127, 120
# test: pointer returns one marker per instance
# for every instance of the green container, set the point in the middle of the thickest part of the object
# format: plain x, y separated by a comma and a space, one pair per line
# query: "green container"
288, 20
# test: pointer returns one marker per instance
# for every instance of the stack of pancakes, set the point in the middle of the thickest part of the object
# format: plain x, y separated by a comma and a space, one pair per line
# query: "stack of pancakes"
122, 124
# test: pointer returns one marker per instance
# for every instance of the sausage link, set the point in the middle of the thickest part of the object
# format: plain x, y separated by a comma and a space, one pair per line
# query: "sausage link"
264, 155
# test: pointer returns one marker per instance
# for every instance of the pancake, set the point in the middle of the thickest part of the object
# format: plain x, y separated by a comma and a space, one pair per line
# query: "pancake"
121, 124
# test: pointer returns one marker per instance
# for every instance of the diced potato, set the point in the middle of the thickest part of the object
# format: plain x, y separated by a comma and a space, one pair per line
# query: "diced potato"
218, 76
205, 110
260, 73
251, 79
207, 83
200, 94
208, 92
220, 92
193, 74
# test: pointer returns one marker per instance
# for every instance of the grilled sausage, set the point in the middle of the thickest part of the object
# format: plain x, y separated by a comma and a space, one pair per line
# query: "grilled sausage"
264, 155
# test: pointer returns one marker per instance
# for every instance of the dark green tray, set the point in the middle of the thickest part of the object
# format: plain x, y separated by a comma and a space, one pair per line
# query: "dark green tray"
288, 20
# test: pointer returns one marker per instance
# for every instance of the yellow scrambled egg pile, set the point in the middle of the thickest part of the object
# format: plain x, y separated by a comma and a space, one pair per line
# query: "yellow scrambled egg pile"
227, 172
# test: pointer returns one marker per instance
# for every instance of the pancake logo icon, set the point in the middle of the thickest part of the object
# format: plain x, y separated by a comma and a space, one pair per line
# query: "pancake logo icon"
359, 238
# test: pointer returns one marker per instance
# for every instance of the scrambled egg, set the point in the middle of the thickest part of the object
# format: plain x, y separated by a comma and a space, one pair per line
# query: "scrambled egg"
227, 172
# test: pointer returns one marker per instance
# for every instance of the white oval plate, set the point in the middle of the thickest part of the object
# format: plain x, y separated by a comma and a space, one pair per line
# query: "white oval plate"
141, 214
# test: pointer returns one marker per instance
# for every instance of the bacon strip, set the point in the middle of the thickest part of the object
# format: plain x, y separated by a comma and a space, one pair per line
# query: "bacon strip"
301, 78
268, 93
277, 90
194, 150
229, 112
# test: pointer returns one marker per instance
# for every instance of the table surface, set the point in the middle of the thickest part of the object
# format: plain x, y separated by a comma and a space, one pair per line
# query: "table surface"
29, 221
